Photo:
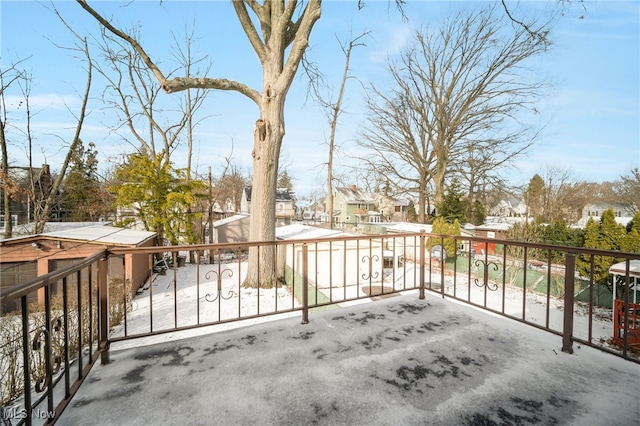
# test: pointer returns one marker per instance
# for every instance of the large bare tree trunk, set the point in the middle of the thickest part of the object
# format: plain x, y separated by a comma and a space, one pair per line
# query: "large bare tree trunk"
278, 71
267, 139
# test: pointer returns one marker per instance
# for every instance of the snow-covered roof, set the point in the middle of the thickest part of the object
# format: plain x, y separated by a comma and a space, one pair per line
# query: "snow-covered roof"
102, 234
354, 195
229, 219
494, 226
302, 232
407, 227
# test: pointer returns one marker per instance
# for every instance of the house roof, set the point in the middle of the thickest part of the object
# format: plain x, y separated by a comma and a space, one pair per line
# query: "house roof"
396, 201
102, 235
502, 226
99, 234
26, 229
230, 219
407, 227
303, 232
354, 195
22, 173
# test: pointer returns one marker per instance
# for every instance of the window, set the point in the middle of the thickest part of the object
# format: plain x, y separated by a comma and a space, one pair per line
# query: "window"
14, 220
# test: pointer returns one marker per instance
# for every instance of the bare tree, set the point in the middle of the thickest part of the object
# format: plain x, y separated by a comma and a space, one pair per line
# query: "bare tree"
457, 91
155, 130
628, 189
44, 213
193, 100
278, 33
155, 127
479, 167
9, 189
333, 111
565, 195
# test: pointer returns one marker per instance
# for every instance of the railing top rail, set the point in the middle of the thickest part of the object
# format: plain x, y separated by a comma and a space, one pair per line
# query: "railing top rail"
50, 278
223, 246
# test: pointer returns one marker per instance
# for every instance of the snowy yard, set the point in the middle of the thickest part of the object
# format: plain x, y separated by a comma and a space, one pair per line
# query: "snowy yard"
201, 294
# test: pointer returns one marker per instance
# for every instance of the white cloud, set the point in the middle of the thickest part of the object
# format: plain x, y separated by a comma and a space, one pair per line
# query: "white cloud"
43, 101
397, 41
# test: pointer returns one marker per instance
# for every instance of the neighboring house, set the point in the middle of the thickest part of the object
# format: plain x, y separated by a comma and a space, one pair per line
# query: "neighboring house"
220, 211
391, 209
353, 207
623, 213
513, 207
315, 213
25, 258
19, 181
285, 211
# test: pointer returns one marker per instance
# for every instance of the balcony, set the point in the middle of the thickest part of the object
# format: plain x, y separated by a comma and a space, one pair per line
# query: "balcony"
361, 330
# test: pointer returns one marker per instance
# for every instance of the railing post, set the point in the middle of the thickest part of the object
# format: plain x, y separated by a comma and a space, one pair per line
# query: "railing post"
26, 363
103, 310
305, 283
569, 285
422, 263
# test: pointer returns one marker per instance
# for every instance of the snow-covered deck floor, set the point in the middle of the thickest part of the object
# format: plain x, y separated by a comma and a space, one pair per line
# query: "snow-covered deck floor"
399, 360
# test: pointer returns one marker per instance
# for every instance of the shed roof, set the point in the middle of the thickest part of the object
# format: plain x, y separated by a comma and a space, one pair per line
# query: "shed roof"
407, 227
494, 227
303, 232
230, 219
102, 235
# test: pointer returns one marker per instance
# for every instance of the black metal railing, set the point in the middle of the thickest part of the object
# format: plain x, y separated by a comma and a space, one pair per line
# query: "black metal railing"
81, 310
49, 347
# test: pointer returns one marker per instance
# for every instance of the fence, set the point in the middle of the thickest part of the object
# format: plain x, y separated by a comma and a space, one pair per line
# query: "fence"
84, 308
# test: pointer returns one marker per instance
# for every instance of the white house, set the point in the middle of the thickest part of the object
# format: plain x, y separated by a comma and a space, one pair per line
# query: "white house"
285, 211
623, 213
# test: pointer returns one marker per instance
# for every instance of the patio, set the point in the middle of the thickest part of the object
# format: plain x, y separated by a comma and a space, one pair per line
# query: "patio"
397, 360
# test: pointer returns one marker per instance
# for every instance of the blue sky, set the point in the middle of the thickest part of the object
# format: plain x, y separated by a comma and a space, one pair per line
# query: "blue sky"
590, 112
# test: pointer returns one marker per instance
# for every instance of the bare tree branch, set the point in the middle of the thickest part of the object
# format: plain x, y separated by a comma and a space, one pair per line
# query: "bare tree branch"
457, 92
179, 83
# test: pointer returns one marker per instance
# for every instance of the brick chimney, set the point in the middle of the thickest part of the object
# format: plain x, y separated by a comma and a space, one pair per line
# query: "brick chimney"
45, 179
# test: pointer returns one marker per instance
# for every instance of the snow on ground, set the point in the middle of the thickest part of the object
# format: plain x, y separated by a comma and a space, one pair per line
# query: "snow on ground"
197, 294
